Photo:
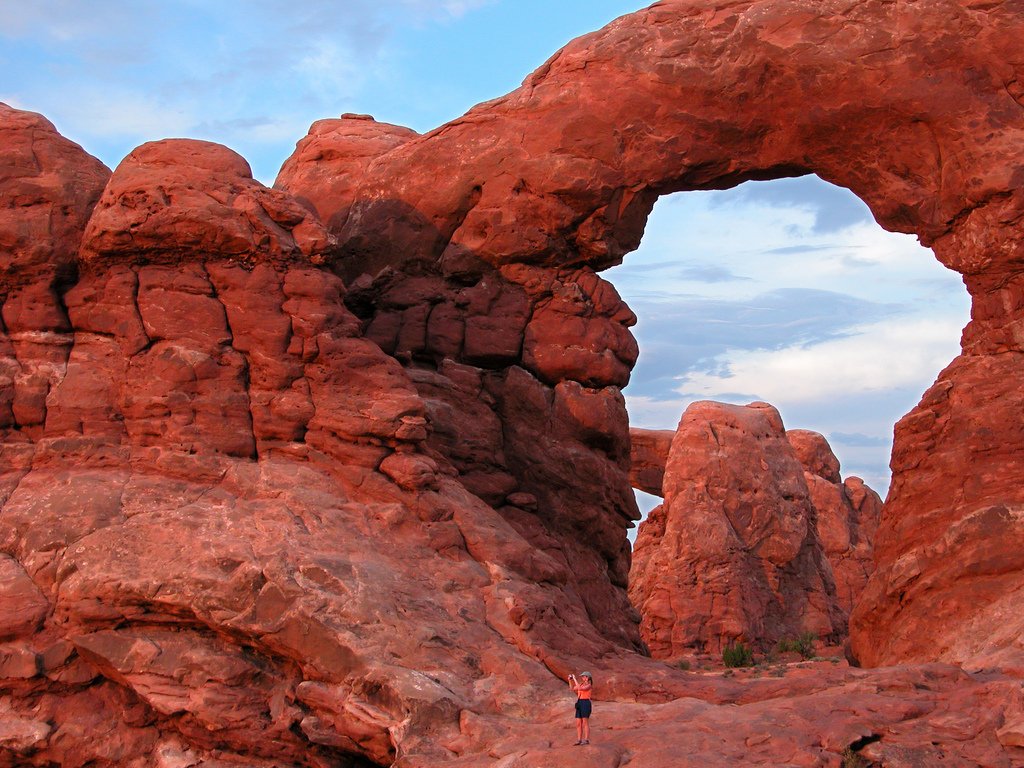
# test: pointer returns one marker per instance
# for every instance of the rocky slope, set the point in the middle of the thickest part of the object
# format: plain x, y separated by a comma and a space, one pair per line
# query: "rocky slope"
336, 474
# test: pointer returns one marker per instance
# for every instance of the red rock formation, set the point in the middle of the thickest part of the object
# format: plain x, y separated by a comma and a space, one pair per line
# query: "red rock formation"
576, 185
846, 511
701, 592
222, 474
176, 198
588, 168
223, 529
580, 183
733, 554
48, 187
519, 369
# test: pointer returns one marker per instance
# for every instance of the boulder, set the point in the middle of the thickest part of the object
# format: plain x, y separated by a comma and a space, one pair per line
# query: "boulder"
705, 572
733, 554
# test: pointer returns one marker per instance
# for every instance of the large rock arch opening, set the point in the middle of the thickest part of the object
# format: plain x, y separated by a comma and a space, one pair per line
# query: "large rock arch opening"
777, 292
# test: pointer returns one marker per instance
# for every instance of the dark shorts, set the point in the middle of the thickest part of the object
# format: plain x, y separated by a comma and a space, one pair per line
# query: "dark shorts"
582, 708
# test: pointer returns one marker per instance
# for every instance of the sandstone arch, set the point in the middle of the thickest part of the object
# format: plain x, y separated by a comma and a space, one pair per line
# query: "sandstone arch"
918, 108
882, 98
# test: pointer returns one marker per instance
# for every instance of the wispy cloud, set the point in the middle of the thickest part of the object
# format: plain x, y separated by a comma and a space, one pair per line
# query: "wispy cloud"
709, 273
112, 75
858, 439
692, 334
118, 112
452, 7
872, 358
833, 208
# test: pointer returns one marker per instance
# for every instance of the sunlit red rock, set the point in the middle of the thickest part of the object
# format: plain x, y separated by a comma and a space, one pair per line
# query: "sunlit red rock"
178, 198
846, 514
48, 187
733, 554
701, 591
295, 584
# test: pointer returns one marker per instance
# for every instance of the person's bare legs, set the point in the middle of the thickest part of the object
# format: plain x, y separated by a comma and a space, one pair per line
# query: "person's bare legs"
585, 731
579, 729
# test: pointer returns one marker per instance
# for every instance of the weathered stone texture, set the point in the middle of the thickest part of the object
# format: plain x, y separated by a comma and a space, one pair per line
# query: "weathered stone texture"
733, 554
232, 458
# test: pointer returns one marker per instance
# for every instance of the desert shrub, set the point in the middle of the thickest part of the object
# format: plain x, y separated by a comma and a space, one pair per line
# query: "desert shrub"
852, 760
737, 655
804, 645
683, 664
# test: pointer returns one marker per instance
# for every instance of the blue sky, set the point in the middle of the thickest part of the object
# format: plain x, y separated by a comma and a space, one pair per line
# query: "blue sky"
782, 291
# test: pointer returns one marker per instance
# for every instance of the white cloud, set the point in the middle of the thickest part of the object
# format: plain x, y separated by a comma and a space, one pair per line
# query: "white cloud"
769, 244
841, 326
884, 356
112, 75
655, 413
333, 67
125, 113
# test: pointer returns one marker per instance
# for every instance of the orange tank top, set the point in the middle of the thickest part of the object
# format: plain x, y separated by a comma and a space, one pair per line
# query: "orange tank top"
584, 691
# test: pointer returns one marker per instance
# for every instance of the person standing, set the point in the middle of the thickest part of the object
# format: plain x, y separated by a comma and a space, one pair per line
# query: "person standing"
583, 689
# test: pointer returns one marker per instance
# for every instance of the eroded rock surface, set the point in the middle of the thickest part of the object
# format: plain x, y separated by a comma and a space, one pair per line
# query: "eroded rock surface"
706, 565
733, 553
337, 474
846, 515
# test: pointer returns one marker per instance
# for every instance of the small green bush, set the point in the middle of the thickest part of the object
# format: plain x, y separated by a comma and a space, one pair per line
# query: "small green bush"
852, 760
683, 665
804, 645
737, 655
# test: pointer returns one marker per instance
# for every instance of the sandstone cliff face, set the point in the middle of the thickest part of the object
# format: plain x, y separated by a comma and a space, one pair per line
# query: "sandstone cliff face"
519, 366
337, 473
